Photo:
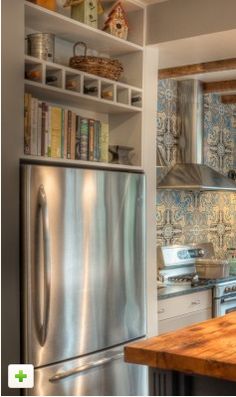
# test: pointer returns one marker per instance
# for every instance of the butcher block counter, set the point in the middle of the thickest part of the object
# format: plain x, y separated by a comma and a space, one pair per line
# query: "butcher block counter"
196, 360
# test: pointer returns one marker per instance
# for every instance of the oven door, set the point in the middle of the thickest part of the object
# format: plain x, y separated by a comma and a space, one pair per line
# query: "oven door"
224, 305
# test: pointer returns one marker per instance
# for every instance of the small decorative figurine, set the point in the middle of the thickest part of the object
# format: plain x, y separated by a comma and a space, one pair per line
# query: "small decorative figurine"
120, 154
117, 23
85, 11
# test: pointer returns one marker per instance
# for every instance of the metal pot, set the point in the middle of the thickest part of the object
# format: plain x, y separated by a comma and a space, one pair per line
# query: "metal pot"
212, 268
41, 46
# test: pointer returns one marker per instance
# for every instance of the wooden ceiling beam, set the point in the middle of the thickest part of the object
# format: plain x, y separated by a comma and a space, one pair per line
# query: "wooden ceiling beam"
197, 68
228, 99
219, 86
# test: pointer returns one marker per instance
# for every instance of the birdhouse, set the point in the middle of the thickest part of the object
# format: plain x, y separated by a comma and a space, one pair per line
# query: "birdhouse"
85, 11
117, 23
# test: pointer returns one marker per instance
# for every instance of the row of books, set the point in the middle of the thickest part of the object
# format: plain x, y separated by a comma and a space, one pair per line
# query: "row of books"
57, 132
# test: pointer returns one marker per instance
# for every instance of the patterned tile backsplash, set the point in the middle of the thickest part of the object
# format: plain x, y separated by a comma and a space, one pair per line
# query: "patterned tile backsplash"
185, 216
219, 134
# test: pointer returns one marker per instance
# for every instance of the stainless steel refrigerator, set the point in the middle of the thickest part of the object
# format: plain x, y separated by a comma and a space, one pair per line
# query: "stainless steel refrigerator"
83, 239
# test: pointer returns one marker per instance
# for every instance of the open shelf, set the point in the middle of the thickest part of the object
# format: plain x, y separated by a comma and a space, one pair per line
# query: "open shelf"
119, 102
42, 20
71, 98
90, 164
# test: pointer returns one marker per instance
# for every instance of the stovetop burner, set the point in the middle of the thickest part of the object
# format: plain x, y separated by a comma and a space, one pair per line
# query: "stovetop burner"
183, 278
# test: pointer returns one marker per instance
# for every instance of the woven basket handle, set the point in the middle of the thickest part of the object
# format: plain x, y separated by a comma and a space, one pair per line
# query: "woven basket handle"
82, 44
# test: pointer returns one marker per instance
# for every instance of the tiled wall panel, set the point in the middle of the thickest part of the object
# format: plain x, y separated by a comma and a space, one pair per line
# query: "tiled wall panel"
184, 216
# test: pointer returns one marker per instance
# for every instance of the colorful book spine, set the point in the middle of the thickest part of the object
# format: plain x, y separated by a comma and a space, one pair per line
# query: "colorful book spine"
91, 140
62, 132
73, 133
55, 132
69, 127
48, 132
44, 127
77, 138
96, 152
27, 143
104, 142
39, 129
84, 138
34, 128
65, 133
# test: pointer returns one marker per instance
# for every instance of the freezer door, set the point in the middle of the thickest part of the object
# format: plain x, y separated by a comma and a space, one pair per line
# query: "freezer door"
84, 261
102, 374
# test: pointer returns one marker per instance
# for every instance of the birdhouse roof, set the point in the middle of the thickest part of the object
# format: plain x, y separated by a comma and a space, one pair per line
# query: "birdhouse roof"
113, 11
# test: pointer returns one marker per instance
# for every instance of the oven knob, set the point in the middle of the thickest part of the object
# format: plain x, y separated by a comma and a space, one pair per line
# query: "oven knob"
227, 289
234, 288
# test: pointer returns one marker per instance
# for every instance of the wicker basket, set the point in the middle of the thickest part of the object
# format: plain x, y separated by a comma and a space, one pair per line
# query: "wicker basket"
103, 67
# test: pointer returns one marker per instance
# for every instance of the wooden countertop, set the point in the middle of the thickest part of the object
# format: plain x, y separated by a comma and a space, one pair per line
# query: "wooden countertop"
207, 348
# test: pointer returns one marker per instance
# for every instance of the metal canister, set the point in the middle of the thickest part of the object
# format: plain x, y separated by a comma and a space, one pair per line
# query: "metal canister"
41, 45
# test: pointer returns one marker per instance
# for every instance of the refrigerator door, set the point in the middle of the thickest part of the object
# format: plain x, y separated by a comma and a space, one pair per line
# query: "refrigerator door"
101, 374
84, 261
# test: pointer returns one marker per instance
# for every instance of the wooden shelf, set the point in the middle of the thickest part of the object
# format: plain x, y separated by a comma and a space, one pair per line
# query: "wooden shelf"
90, 164
43, 20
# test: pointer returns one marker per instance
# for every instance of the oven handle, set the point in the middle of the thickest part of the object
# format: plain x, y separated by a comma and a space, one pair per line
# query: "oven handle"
228, 299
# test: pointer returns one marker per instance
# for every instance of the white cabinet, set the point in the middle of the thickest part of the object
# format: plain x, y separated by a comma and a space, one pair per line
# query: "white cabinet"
180, 311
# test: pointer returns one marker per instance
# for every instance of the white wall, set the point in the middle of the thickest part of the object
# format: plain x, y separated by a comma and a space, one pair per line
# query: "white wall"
177, 19
12, 132
149, 163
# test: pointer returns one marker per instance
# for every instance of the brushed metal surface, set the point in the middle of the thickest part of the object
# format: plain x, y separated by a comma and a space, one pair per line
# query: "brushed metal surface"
113, 378
43, 210
195, 177
189, 173
190, 107
97, 363
97, 243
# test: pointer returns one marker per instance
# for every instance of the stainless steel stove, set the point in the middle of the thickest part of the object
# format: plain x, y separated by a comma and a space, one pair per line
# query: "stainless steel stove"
224, 298
176, 267
176, 263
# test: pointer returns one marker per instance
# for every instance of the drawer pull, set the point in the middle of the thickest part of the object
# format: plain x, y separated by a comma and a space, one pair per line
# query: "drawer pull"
161, 311
197, 302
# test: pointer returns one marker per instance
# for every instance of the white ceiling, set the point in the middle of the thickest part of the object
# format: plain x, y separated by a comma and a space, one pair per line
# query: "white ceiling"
204, 48
222, 75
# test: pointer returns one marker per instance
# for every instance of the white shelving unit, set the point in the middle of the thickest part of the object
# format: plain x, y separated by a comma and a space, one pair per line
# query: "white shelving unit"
123, 110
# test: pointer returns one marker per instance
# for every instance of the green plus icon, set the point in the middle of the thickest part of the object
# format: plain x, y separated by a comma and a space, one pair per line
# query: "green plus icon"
21, 376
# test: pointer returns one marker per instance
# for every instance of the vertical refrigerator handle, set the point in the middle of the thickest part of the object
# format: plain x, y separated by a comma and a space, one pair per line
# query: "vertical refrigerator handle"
42, 202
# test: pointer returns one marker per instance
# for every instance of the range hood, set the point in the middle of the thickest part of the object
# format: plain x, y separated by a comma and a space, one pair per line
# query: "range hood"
189, 173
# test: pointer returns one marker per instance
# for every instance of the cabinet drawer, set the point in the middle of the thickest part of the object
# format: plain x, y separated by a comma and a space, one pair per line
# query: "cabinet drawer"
174, 323
179, 305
